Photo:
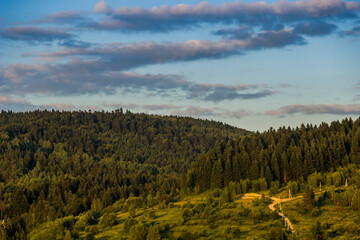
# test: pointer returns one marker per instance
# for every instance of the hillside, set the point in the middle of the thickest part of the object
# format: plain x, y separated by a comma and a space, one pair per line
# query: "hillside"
227, 213
56, 164
76, 175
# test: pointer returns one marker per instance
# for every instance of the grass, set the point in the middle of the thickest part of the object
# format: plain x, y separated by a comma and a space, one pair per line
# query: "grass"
334, 218
226, 224
229, 222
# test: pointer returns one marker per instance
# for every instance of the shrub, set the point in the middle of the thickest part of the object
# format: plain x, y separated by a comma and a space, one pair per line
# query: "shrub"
315, 212
276, 233
129, 222
108, 220
153, 233
187, 214
151, 214
138, 232
90, 236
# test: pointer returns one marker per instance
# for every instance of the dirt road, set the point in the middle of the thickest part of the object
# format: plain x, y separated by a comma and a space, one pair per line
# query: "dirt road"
272, 206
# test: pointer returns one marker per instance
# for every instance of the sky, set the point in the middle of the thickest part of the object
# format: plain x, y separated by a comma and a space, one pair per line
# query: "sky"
251, 64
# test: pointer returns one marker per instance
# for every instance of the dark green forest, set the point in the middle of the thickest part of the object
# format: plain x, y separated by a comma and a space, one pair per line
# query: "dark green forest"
283, 155
57, 164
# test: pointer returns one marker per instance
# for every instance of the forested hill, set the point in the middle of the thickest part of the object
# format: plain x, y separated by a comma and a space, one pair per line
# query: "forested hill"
278, 156
55, 164
140, 138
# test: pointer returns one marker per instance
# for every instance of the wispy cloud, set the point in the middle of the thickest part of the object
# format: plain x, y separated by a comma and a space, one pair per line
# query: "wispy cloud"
21, 105
194, 111
75, 44
69, 17
317, 109
15, 104
230, 94
90, 77
316, 28
160, 106
33, 34
355, 31
113, 106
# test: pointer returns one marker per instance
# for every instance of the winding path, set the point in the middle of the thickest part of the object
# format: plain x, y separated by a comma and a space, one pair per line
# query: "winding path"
272, 205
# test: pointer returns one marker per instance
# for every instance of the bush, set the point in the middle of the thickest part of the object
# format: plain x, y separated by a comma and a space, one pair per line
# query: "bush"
317, 232
188, 236
187, 214
151, 214
276, 233
199, 207
153, 233
138, 232
274, 189
129, 222
86, 219
108, 220
132, 211
315, 212
90, 236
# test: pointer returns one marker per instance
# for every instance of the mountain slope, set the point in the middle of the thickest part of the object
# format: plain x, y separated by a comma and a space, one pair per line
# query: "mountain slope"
56, 164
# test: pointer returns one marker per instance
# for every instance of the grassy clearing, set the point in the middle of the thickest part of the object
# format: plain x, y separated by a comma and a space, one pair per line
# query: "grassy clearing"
335, 220
240, 219
225, 222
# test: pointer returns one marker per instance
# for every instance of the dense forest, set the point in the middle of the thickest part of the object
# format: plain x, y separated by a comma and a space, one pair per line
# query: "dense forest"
57, 164
283, 155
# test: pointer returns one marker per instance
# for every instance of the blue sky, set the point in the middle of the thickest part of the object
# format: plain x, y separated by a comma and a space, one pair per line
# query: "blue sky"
251, 64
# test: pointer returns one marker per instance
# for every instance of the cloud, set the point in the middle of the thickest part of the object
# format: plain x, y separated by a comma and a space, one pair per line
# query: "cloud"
15, 104
34, 34
69, 107
356, 98
69, 17
242, 32
353, 109
22, 105
102, 7
89, 77
79, 77
273, 39
75, 44
127, 56
224, 113
316, 28
167, 18
355, 31
133, 55
102, 69
230, 94
118, 106
194, 111
160, 106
